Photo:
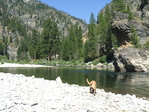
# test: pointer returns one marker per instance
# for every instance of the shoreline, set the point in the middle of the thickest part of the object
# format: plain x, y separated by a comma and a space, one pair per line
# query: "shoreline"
20, 93
99, 66
21, 65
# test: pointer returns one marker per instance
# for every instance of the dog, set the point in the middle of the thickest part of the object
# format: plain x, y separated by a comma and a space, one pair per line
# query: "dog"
92, 85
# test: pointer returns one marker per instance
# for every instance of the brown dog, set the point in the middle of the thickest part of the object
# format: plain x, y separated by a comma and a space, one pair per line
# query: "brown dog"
92, 85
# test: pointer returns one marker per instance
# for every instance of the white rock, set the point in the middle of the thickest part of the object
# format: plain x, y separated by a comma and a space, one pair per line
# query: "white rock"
23, 94
58, 80
2, 107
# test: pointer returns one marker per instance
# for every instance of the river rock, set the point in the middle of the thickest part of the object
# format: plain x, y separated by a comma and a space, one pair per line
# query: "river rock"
58, 80
27, 94
131, 60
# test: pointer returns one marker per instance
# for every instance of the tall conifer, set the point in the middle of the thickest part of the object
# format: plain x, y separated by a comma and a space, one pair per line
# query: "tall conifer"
73, 44
51, 41
119, 5
91, 44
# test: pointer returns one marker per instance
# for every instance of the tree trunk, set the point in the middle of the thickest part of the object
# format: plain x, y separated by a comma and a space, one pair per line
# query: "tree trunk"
49, 58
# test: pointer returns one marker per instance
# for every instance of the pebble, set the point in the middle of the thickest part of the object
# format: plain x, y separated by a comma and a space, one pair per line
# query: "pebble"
29, 94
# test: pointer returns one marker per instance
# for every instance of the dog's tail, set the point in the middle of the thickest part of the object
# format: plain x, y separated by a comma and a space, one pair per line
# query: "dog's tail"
87, 81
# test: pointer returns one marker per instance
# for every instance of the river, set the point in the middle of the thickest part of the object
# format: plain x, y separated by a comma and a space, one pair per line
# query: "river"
120, 83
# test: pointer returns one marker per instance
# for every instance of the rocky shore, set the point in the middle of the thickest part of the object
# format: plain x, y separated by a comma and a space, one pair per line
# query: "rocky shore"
29, 94
20, 65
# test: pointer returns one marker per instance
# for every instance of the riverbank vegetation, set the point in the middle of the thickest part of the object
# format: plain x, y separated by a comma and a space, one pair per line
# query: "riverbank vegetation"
58, 62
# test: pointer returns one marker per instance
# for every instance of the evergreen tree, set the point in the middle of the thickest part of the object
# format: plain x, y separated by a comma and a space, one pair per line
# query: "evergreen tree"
102, 28
1, 49
22, 50
147, 45
10, 39
92, 19
34, 44
5, 42
107, 40
91, 26
134, 36
119, 5
0, 13
108, 17
78, 34
73, 44
90, 48
50, 42
130, 15
66, 49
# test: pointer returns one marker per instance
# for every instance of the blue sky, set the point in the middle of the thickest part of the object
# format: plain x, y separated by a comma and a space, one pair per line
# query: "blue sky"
79, 8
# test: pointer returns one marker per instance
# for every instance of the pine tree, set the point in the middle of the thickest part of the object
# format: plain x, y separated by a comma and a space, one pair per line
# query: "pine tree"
90, 49
102, 28
134, 36
73, 44
1, 49
22, 50
66, 49
78, 34
108, 16
50, 42
34, 44
0, 13
91, 26
119, 5
10, 39
5, 42
104, 31
130, 15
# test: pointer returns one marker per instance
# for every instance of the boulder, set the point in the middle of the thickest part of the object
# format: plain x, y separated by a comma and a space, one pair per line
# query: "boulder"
131, 60
122, 30
58, 80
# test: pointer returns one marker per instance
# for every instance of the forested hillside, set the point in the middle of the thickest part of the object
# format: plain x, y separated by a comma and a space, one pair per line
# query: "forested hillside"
20, 19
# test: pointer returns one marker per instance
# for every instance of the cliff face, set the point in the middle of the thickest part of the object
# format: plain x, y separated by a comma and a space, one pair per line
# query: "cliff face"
121, 26
131, 60
128, 58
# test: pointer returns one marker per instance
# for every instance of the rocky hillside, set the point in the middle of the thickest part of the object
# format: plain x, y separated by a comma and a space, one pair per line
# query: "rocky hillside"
121, 25
33, 13
122, 22
18, 18
130, 22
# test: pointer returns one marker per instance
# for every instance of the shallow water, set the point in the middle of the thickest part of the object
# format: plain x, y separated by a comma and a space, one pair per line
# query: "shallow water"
123, 83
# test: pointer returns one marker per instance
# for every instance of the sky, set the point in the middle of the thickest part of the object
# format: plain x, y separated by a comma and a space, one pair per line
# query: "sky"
78, 8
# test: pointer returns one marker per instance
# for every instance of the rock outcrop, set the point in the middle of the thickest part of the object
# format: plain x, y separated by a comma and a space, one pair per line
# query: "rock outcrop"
122, 30
131, 60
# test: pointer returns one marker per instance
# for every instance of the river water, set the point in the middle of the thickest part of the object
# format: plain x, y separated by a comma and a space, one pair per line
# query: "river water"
120, 83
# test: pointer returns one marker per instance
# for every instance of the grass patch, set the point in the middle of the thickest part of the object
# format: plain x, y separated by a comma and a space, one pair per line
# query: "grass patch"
101, 59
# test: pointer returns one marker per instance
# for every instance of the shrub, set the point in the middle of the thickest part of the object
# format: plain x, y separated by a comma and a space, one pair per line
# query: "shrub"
103, 59
147, 45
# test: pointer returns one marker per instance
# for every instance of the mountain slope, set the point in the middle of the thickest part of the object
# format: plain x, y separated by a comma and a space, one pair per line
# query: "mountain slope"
18, 18
129, 23
122, 22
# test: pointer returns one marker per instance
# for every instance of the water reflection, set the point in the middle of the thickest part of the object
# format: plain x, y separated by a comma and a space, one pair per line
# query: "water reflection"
131, 83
